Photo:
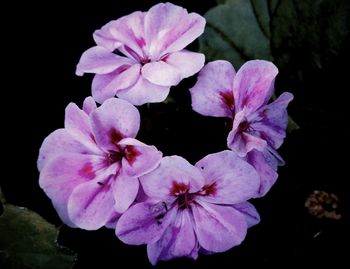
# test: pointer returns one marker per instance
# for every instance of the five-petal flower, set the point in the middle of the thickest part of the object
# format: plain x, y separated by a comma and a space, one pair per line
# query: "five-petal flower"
90, 168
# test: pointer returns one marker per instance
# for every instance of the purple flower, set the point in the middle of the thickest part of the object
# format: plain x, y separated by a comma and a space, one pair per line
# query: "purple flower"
139, 56
192, 208
258, 127
89, 169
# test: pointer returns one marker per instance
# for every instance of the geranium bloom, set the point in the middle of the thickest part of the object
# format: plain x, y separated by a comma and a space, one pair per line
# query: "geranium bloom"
258, 127
139, 56
89, 169
192, 208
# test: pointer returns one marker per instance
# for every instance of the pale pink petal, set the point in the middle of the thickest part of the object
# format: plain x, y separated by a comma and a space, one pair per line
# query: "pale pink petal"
161, 73
112, 222
186, 62
174, 172
106, 86
144, 223
104, 38
228, 178
77, 121
218, 228
91, 204
62, 142
267, 173
274, 120
178, 240
125, 190
62, 174
212, 94
169, 28
99, 60
144, 92
89, 105
253, 84
139, 158
114, 120
249, 211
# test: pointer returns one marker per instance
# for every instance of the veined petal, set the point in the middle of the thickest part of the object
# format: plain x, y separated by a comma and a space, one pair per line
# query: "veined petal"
253, 85
89, 105
212, 95
218, 228
107, 85
228, 178
125, 190
178, 240
248, 210
139, 158
144, 223
161, 73
173, 175
99, 60
143, 92
114, 120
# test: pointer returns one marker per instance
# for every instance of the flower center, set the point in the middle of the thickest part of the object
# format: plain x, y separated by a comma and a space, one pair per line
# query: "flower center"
144, 61
244, 126
127, 152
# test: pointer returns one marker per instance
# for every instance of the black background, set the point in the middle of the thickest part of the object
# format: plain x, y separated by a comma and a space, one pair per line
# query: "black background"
42, 44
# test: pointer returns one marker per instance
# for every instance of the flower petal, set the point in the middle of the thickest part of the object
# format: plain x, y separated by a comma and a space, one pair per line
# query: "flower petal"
144, 92
161, 73
178, 240
144, 223
127, 31
169, 28
125, 190
267, 173
274, 120
114, 120
253, 85
61, 141
231, 179
173, 171
99, 60
139, 158
89, 105
62, 174
91, 204
212, 94
106, 86
186, 62
77, 121
249, 211
218, 228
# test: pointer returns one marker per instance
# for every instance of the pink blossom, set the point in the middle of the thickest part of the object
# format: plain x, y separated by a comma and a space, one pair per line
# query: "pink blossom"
90, 168
258, 127
139, 56
192, 208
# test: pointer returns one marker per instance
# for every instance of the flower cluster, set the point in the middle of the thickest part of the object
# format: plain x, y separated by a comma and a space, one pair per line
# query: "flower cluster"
97, 174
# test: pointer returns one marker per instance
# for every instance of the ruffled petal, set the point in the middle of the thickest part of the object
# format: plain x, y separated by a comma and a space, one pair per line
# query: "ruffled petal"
173, 175
99, 60
89, 105
253, 85
218, 228
114, 120
161, 73
212, 94
144, 223
144, 92
228, 178
249, 211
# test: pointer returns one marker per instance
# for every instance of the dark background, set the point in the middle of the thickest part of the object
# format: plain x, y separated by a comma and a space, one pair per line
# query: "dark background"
42, 45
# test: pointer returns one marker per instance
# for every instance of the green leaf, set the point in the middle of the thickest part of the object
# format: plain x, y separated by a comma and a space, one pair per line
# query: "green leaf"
237, 31
28, 241
292, 125
308, 34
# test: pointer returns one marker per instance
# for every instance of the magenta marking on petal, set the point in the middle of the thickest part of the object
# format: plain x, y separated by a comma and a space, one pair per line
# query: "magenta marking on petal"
115, 136
130, 154
87, 171
92, 138
227, 98
210, 189
178, 188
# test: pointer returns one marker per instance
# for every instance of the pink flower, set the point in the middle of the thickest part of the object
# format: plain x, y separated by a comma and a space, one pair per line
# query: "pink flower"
258, 127
192, 208
90, 168
139, 56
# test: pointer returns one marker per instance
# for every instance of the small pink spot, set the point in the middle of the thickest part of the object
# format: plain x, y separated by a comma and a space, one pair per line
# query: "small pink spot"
210, 189
178, 188
115, 136
87, 171
92, 138
130, 154
227, 98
